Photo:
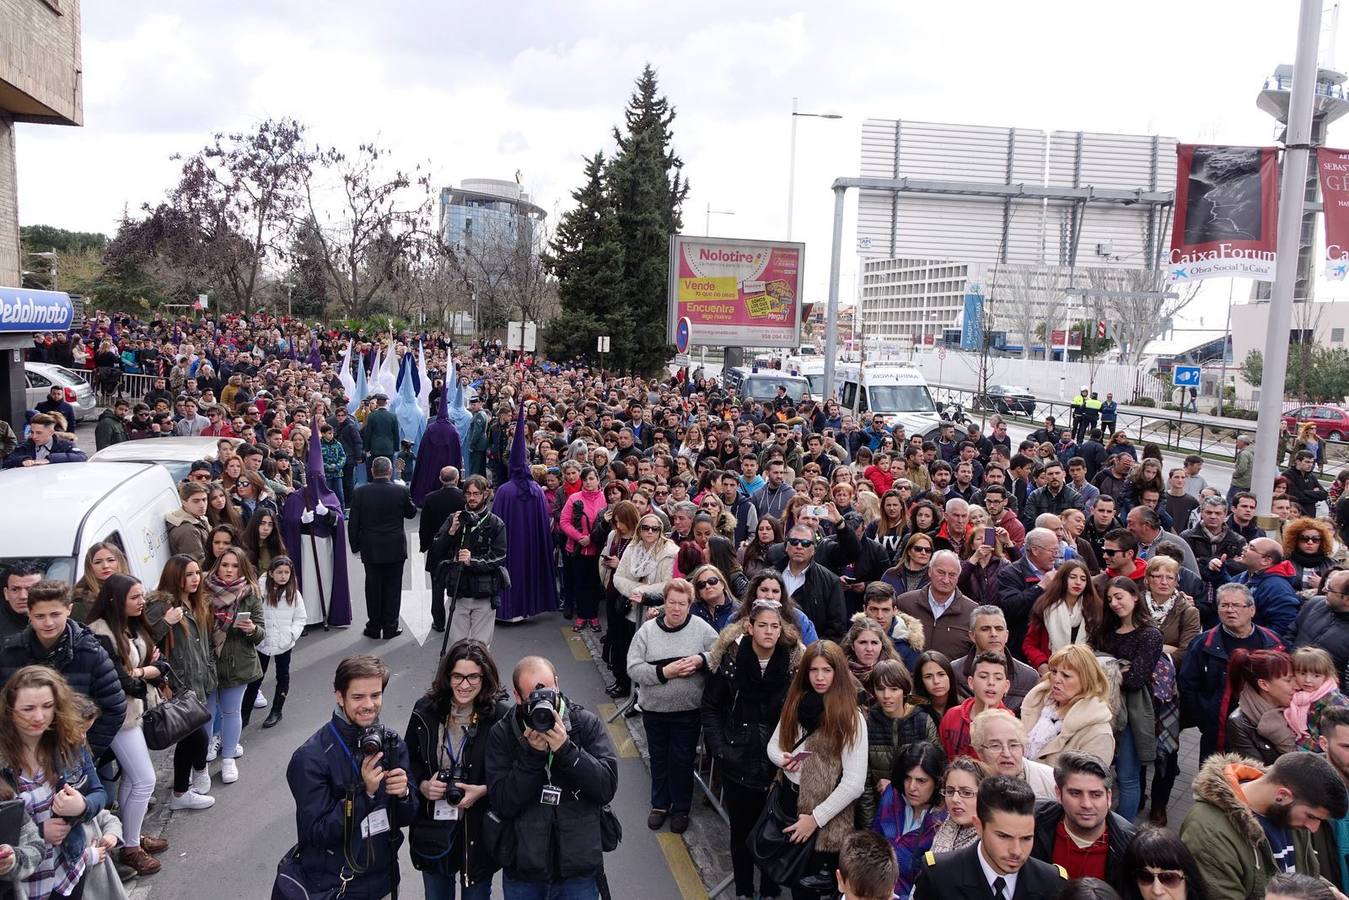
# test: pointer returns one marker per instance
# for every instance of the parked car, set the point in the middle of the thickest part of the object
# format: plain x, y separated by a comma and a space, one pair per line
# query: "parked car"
41, 377
1332, 422
1007, 398
177, 454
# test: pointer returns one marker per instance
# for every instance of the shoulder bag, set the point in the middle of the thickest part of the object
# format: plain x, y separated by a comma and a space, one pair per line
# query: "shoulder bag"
179, 714
771, 848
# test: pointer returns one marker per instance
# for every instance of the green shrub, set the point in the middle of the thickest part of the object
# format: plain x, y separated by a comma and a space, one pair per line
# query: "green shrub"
1143, 401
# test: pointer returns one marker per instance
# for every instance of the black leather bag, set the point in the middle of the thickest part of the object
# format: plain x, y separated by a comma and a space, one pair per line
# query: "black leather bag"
772, 849
180, 713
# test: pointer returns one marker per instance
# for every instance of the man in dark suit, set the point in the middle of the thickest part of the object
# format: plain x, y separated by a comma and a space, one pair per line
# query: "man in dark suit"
380, 435
999, 866
1019, 584
439, 505
375, 533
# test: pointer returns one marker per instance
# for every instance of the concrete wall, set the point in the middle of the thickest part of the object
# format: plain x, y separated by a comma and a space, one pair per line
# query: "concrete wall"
9, 207
40, 64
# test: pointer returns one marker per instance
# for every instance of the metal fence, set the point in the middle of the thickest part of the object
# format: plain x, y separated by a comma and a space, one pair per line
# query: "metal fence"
133, 386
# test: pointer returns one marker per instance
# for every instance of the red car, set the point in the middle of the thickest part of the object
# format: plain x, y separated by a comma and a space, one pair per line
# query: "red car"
1332, 422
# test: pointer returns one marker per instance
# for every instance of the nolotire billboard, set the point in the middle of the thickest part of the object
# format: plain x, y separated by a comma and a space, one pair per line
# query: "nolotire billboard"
736, 293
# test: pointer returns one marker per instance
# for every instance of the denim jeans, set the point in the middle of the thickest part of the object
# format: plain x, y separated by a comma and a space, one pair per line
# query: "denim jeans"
672, 739
442, 887
1128, 773
226, 702
583, 888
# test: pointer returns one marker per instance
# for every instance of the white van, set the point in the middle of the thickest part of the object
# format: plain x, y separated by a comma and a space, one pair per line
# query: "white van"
896, 390
58, 511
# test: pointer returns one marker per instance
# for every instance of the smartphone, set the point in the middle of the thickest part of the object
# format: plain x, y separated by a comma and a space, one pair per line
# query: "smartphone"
799, 755
817, 511
991, 537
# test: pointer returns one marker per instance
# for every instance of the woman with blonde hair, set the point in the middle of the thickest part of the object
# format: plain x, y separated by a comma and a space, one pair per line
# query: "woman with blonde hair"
1070, 708
101, 561
645, 567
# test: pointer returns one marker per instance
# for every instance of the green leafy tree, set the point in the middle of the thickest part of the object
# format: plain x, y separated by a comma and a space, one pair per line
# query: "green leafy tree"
77, 262
1253, 368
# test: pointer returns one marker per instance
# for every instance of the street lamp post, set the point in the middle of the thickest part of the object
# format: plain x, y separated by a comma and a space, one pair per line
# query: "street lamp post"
707, 223
791, 164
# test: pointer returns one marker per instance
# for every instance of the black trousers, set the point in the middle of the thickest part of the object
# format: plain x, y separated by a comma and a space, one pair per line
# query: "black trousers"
348, 482
254, 687
743, 805
188, 754
383, 595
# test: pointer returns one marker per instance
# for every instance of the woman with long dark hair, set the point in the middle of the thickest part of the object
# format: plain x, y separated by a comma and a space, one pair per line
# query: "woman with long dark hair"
960, 789
909, 572
754, 551
752, 664
1158, 866
770, 586
624, 519
935, 684
894, 722
821, 746
889, 527
221, 538
283, 618
180, 620
721, 553
117, 620
579, 514
237, 618
447, 745
910, 808
262, 539
220, 510
1068, 612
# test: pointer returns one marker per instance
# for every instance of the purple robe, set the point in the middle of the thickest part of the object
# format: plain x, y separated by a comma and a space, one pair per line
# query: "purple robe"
520, 503
294, 532
439, 448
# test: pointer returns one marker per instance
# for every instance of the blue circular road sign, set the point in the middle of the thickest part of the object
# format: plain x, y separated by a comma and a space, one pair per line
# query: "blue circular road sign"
682, 334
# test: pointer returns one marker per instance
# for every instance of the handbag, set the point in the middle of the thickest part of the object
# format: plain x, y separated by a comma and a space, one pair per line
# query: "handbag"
181, 713
773, 850
290, 881
611, 830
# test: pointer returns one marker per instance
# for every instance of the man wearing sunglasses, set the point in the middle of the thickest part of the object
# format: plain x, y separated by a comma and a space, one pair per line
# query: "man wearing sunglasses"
1077, 830
816, 590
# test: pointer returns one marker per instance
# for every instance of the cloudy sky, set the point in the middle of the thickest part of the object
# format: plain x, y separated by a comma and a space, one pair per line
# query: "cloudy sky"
484, 90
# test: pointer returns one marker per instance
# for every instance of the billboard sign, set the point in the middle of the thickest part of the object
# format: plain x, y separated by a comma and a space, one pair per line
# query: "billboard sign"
25, 310
972, 323
1334, 168
1227, 211
736, 293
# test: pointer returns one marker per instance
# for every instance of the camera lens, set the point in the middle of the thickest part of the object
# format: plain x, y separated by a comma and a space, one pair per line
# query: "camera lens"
542, 717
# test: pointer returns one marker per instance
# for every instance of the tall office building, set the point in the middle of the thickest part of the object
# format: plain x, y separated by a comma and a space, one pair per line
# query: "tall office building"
489, 210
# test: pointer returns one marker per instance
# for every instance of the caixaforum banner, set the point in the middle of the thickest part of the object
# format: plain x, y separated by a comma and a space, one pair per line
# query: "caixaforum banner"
1226, 213
736, 293
1333, 166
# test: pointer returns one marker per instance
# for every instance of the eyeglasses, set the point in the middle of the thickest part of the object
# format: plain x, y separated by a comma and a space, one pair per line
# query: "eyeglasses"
999, 747
712, 581
1309, 538
962, 793
460, 678
800, 542
920, 549
650, 528
1169, 879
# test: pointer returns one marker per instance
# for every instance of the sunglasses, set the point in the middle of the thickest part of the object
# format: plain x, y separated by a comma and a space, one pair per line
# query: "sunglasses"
1310, 538
650, 528
800, 542
1168, 879
711, 581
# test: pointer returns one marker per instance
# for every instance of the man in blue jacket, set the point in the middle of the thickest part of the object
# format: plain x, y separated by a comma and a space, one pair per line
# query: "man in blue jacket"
350, 806
1270, 578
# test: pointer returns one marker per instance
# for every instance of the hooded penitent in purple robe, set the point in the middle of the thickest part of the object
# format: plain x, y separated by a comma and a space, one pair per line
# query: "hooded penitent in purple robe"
439, 448
520, 504
297, 535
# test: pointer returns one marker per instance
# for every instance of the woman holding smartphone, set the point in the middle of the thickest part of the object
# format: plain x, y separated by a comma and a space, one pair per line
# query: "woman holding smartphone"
236, 630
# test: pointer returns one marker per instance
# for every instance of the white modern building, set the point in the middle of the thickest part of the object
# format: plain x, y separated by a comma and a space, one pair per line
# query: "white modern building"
488, 210
1324, 323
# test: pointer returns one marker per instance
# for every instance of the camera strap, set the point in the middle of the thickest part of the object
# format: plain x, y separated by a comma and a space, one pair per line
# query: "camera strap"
345, 749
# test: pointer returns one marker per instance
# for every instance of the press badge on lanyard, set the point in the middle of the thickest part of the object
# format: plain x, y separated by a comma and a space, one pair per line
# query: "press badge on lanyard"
550, 795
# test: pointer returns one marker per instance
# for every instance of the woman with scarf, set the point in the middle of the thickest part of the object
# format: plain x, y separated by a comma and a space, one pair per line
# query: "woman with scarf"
1308, 544
1260, 688
865, 645
960, 789
820, 744
1068, 612
231, 590
713, 602
751, 666
624, 519
579, 514
894, 722
910, 808
909, 572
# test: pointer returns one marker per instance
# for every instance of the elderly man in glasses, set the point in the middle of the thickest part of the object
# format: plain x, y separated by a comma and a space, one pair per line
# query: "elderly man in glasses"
816, 590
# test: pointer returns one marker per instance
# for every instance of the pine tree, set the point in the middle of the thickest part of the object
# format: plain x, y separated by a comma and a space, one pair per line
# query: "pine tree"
647, 187
587, 259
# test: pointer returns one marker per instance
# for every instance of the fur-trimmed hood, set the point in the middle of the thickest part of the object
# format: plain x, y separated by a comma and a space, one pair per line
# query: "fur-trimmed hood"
1215, 784
730, 636
907, 628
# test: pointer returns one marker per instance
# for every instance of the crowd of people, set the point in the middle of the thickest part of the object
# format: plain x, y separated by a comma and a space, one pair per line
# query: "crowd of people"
957, 660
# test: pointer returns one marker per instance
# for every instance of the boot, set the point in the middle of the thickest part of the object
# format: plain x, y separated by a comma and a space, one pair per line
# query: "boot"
278, 702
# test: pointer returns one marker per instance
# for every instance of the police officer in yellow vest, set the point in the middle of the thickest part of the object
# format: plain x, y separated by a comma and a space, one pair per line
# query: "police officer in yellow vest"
1080, 415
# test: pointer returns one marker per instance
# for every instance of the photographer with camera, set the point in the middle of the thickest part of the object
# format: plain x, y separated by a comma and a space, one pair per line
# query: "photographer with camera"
551, 769
352, 792
473, 542
447, 740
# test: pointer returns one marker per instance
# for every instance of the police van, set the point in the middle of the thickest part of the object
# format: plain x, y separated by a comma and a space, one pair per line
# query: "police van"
762, 384
896, 390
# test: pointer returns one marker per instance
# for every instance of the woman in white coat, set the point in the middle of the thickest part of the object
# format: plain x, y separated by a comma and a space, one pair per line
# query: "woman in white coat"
646, 565
283, 617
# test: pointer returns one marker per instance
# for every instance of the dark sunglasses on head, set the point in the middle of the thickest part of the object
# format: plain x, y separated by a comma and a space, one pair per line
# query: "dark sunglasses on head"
711, 581
800, 542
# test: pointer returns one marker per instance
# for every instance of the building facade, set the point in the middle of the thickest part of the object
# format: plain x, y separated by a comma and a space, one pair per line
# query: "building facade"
488, 211
1322, 323
40, 81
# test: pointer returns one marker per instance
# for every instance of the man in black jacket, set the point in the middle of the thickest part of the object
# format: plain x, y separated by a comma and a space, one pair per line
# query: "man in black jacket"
351, 807
999, 866
375, 533
1079, 832
348, 434
17, 581
548, 790
815, 589
437, 508
1303, 487
52, 640
1321, 622
474, 541
1019, 585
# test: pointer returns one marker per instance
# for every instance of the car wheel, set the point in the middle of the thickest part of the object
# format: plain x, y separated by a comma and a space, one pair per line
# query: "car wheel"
1335, 436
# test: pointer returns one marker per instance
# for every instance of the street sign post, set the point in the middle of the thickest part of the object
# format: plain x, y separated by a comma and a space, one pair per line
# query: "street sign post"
683, 334
1185, 376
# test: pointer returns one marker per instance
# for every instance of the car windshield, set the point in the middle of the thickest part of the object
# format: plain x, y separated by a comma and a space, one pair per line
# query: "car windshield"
816, 383
765, 387
60, 568
900, 398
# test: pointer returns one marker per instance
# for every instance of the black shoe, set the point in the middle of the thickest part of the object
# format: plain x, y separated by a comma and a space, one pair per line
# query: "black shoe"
390, 635
373, 635
820, 882
438, 629
679, 823
618, 691
656, 819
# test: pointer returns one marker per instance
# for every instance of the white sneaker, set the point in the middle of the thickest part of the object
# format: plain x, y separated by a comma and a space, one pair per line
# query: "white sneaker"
191, 800
201, 781
229, 771
238, 751
213, 750
260, 702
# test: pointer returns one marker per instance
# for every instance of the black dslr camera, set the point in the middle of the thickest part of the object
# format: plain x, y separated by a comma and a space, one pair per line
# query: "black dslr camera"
542, 707
379, 739
454, 794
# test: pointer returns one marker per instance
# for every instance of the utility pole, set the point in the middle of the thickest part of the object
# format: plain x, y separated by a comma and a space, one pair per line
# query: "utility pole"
1291, 191
791, 159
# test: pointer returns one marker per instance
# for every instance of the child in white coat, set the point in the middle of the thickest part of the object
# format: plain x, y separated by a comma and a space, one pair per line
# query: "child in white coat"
283, 618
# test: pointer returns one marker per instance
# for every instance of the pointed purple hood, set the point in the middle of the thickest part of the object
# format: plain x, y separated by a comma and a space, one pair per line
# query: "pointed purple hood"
521, 505
294, 533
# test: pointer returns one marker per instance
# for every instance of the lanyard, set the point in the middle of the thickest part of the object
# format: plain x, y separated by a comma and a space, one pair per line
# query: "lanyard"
450, 751
343, 744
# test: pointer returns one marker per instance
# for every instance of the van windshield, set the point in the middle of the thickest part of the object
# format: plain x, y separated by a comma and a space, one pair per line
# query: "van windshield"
816, 382
900, 398
61, 568
765, 387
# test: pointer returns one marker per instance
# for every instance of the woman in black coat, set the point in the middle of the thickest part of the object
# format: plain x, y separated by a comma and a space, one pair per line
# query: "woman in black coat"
447, 745
752, 663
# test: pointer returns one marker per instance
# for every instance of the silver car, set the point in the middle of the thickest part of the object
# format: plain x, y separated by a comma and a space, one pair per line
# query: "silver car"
78, 393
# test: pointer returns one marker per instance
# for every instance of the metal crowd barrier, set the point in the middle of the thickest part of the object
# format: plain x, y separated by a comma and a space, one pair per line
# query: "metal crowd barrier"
134, 386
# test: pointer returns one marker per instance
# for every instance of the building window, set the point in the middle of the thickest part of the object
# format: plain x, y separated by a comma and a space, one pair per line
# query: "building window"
1337, 335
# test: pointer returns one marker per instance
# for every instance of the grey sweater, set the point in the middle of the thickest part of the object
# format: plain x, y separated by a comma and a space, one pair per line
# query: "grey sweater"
653, 647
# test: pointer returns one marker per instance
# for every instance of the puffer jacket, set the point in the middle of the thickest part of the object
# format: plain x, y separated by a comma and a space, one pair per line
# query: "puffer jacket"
459, 845
1275, 594
741, 707
1202, 677
886, 737
1318, 624
1225, 836
282, 624
79, 657
579, 514
189, 651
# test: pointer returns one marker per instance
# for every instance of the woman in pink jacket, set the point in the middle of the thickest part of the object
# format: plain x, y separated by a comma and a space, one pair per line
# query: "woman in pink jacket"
579, 514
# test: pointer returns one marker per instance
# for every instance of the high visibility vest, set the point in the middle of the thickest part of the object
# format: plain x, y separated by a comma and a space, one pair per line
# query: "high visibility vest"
1094, 404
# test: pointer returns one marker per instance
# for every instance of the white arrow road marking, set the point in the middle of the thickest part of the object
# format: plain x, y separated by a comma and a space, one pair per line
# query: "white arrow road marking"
416, 607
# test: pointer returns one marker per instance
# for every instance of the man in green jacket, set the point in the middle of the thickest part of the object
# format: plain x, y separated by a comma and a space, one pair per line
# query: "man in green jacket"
380, 435
1248, 823
1241, 470
111, 427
